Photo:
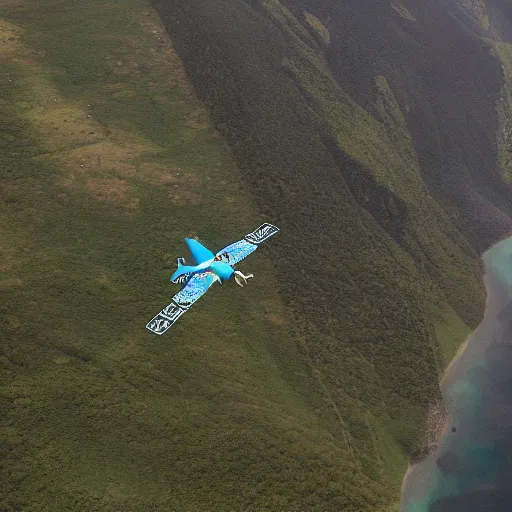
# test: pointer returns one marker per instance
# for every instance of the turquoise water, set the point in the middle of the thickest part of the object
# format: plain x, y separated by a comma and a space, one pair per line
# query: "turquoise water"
471, 471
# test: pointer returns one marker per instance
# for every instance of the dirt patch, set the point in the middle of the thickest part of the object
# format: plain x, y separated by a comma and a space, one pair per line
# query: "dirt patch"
184, 197
11, 283
116, 492
104, 279
33, 87
116, 87
120, 90
164, 54
61, 126
165, 175
151, 48
158, 174
14, 3
178, 78
10, 45
198, 120
180, 184
103, 157
274, 312
163, 49
113, 191
67, 182
30, 63
189, 178
101, 167
275, 319
125, 67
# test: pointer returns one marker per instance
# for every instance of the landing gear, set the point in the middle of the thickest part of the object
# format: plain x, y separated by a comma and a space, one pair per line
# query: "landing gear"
240, 279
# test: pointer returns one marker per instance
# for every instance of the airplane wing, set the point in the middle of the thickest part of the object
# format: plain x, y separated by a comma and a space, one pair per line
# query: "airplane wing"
196, 286
237, 251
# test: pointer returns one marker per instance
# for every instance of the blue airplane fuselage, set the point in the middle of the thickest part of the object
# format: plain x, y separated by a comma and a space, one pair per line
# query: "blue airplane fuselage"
205, 261
222, 270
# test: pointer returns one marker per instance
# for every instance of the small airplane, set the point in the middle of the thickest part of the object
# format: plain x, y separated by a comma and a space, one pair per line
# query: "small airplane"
196, 279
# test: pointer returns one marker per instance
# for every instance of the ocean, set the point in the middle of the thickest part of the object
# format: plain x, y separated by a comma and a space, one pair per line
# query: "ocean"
471, 471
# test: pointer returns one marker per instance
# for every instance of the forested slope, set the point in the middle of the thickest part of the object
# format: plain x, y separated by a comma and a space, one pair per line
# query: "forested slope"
375, 134
337, 121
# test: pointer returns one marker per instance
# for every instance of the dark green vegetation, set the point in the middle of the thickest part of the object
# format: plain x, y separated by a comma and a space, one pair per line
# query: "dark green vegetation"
96, 413
306, 390
375, 134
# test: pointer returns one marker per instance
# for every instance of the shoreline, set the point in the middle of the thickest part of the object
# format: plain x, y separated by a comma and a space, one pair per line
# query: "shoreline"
418, 476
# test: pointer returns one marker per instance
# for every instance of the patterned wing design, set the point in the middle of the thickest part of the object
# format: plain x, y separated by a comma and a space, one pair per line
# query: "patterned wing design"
262, 233
165, 319
183, 278
197, 286
237, 251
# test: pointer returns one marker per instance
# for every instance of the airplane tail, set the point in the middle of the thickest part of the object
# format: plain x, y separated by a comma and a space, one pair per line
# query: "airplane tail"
180, 276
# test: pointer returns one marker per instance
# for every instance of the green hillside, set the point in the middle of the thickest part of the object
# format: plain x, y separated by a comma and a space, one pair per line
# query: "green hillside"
306, 390
108, 160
